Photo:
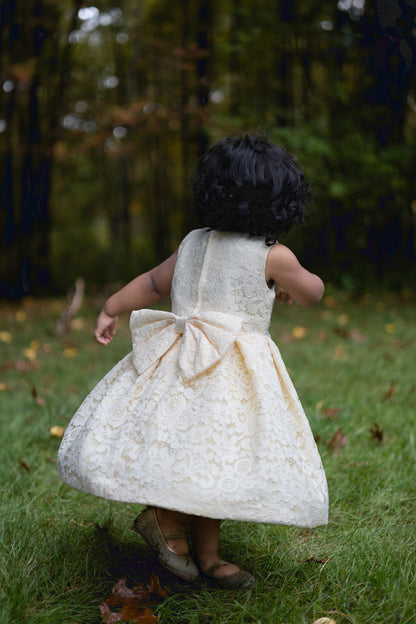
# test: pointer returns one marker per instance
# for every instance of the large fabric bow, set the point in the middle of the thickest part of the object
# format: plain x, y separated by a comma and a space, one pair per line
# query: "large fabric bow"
204, 338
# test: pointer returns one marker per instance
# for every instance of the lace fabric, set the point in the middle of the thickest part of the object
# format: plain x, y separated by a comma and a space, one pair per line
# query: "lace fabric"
202, 416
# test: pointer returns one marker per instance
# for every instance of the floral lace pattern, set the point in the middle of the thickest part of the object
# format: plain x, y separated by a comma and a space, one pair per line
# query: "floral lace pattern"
228, 440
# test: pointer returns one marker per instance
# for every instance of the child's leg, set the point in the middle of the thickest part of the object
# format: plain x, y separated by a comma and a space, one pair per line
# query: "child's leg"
174, 522
206, 537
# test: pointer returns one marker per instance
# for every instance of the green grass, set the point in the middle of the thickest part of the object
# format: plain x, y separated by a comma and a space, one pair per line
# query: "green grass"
61, 551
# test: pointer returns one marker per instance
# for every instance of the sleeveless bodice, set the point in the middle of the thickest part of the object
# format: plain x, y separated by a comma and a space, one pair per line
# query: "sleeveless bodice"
223, 272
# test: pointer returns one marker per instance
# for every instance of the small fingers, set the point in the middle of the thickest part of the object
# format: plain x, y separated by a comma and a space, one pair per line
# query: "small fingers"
284, 297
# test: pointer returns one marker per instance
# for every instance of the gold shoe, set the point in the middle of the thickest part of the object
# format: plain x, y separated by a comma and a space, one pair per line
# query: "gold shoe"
238, 580
147, 526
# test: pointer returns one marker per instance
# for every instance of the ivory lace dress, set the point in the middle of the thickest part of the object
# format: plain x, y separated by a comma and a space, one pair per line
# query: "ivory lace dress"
202, 416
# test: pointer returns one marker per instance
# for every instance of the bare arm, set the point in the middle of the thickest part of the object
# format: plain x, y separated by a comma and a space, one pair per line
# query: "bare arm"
141, 292
292, 278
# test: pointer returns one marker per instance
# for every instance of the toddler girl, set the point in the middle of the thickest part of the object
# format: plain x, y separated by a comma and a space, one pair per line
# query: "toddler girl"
201, 422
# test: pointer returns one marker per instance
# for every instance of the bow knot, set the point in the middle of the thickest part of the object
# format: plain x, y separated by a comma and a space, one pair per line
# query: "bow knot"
204, 338
180, 324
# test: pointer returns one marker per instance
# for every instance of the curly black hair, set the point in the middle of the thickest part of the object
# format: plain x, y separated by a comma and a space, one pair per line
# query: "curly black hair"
250, 185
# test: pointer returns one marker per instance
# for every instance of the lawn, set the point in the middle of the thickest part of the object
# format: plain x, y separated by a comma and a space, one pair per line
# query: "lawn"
61, 551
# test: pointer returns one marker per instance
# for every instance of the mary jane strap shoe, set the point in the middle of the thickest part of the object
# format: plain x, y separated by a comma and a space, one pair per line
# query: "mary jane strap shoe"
238, 580
147, 526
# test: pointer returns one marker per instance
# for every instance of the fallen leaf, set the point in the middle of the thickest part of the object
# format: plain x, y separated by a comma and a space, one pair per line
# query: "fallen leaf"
350, 334
343, 319
356, 336
134, 602
30, 353
330, 302
70, 352
20, 316
341, 331
78, 323
389, 328
340, 353
56, 431
331, 412
299, 332
314, 560
321, 336
5, 336
127, 614
23, 366
338, 441
38, 399
376, 433
3, 386
24, 465
393, 388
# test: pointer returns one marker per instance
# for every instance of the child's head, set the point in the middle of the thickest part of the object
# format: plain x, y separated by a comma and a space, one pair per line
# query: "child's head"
250, 185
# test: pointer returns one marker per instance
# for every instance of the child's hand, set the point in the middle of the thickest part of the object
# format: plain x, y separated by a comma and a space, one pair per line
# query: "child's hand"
282, 296
105, 328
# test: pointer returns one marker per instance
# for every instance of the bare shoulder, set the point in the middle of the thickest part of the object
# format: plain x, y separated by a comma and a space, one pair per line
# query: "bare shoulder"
284, 269
281, 254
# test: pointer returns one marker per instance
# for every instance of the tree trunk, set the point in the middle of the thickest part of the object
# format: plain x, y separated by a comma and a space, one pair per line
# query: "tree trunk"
34, 74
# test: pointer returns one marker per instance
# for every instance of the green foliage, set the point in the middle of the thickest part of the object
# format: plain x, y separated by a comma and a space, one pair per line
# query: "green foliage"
267, 67
151, 84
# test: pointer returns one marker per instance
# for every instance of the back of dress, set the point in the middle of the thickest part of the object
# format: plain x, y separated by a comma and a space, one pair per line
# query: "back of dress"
202, 416
223, 272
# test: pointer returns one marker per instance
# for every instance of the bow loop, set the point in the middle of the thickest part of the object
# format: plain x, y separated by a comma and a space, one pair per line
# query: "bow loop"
204, 339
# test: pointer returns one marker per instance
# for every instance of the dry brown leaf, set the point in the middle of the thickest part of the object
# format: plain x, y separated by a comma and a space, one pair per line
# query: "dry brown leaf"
20, 365
350, 334
128, 613
70, 352
338, 441
356, 336
38, 399
340, 353
331, 412
330, 301
314, 560
321, 336
376, 433
391, 391
341, 331
134, 602
24, 465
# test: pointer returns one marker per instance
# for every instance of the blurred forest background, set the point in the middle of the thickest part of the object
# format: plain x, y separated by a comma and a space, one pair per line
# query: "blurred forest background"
105, 107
